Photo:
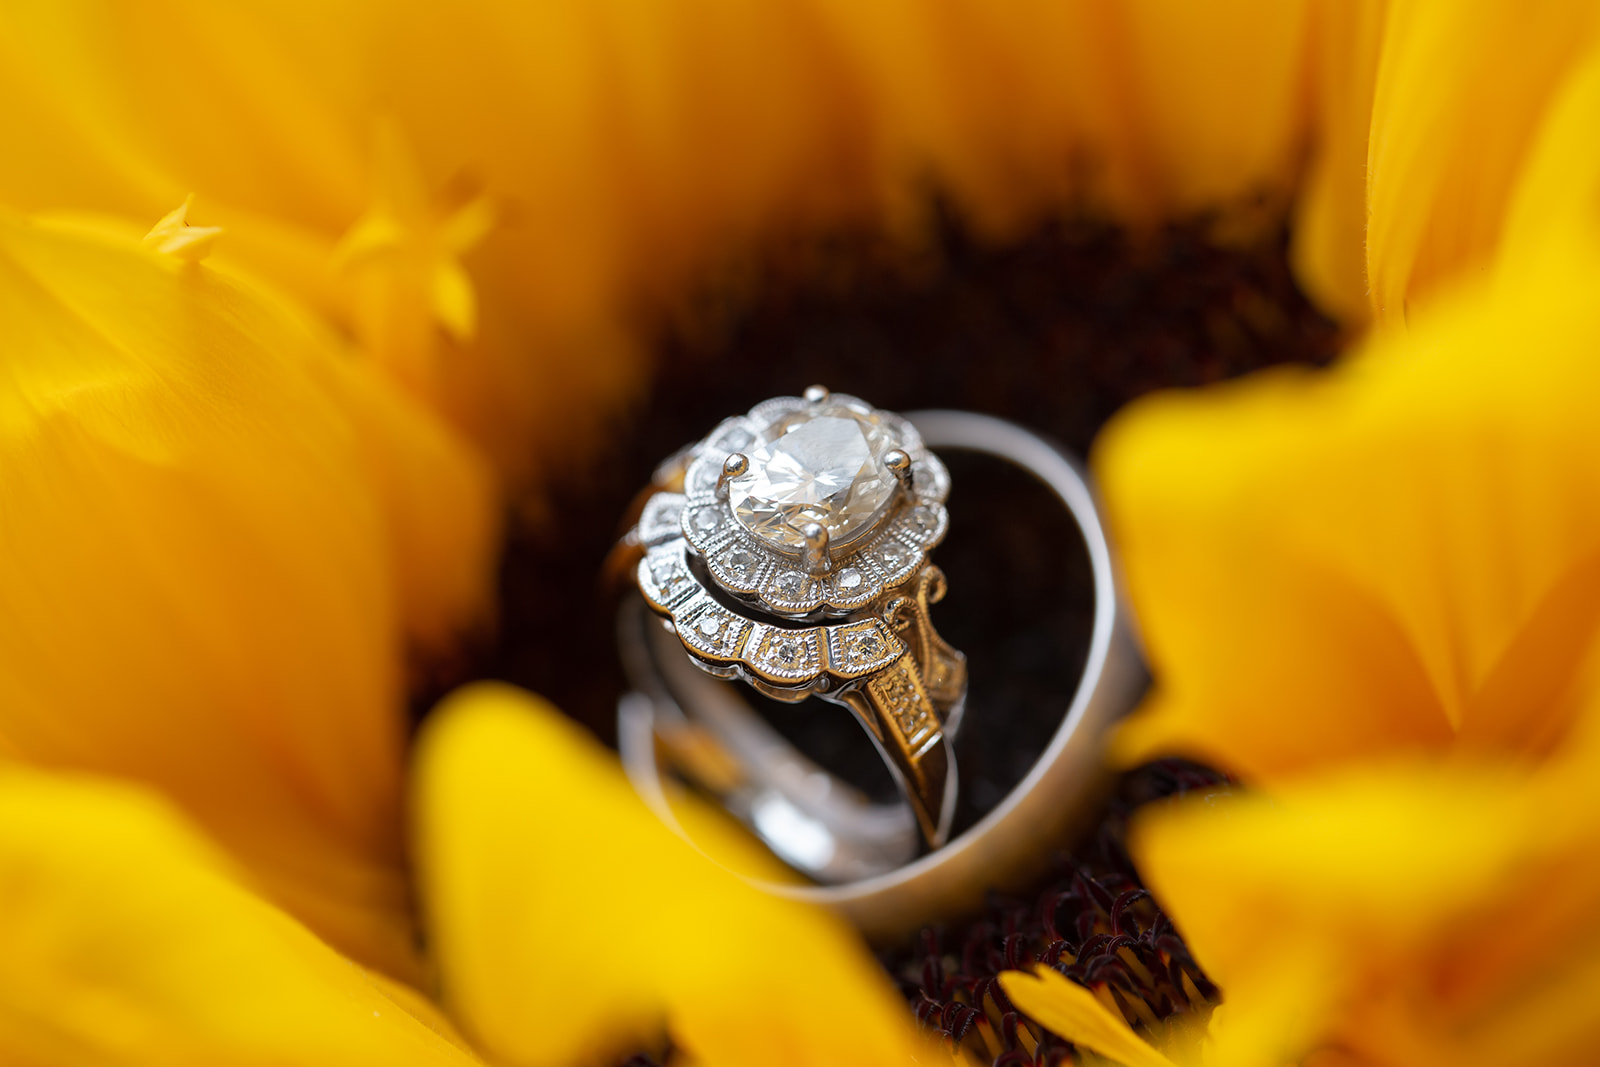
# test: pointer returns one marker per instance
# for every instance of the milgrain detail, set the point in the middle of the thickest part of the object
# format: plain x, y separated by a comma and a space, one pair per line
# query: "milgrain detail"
898, 694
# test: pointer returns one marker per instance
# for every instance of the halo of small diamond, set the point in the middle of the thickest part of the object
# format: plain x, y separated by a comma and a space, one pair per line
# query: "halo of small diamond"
716, 536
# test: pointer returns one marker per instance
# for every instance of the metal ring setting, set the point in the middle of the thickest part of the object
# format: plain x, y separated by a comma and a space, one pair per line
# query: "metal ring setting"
821, 819
802, 569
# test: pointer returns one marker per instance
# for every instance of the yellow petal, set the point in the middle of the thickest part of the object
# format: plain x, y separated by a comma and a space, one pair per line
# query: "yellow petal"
1328, 239
470, 224
1221, 86
214, 538
1156, 106
1398, 914
455, 304
634, 146
372, 235
1461, 91
1403, 553
1437, 839
174, 236
1068, 1010
129, 941
570, 925
439, 503
1557, 195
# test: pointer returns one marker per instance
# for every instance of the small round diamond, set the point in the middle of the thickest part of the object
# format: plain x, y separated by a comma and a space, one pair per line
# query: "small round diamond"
893, 553
850, 579
787, 651
791, 583
741, 561
709, 626
923, 519
868, 646
707, 519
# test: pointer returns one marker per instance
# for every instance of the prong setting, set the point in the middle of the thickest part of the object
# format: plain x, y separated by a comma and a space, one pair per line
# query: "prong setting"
898, 461
816, 394
815, 553
732, 467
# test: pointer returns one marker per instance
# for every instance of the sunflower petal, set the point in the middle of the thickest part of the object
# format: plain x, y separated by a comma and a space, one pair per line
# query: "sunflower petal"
129, 942
635, 148
1068, 1010
1461, 90
570, 925
174, 235
1329, 237
1402, 553
1557, 196
1403, 913
215, 541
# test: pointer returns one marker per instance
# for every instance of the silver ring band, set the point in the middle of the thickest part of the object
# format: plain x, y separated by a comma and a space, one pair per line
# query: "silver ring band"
825, 827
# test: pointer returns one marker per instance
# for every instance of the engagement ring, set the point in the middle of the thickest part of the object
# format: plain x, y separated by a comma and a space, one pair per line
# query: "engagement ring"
790, 549
793, 554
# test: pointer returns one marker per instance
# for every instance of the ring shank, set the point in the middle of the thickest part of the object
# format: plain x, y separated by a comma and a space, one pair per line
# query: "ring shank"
826, 828
896, 710
811, 819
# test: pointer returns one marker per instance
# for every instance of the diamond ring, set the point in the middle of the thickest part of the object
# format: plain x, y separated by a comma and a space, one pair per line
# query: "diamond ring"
790, 550
680, 722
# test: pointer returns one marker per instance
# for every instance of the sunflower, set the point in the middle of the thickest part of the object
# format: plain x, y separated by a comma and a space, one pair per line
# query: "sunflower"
403, 274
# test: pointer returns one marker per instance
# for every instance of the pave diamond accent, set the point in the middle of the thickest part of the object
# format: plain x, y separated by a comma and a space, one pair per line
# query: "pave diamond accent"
852, 585
898, 692
714, 632
663, 578
867, 646
790, 584
731, 436
893, 554
739, 567
707, 520
790, 589
822, 464
787, 655
861, 648
786, 651
660, 518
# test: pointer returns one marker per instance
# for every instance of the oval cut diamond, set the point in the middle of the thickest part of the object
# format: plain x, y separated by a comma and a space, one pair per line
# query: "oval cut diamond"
824, 465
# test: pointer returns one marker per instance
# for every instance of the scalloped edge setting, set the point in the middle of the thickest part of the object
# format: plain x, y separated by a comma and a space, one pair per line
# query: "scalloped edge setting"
727, 643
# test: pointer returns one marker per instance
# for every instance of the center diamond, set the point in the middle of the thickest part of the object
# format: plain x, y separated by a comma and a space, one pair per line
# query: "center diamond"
822, 465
